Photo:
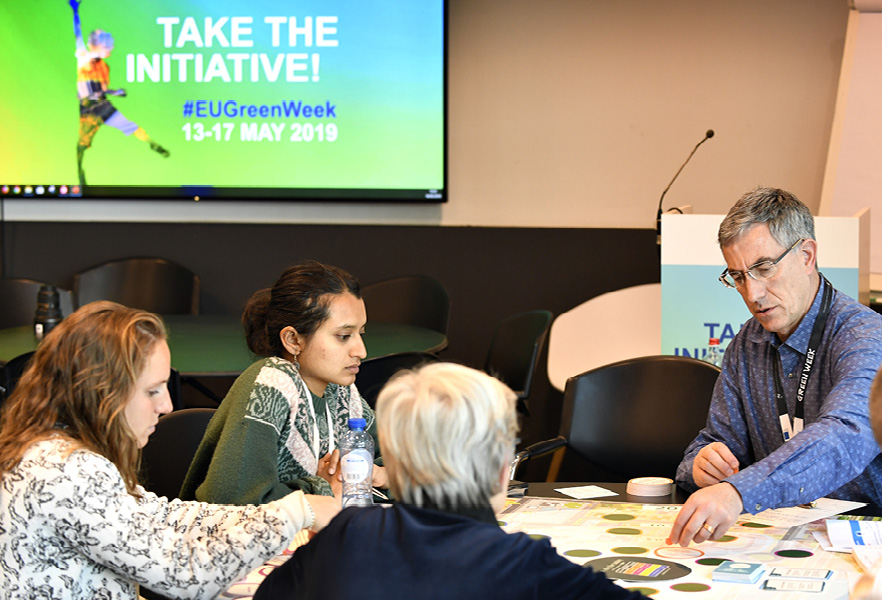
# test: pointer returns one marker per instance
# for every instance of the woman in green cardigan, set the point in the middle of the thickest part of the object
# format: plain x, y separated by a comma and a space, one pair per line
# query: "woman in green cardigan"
278, 427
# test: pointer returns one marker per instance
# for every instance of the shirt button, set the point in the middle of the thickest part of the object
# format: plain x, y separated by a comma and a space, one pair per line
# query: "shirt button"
801, 490
790, 375
759, 506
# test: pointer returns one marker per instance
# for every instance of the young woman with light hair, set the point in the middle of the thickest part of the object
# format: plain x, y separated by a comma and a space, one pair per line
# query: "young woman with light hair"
74, 522
448, 435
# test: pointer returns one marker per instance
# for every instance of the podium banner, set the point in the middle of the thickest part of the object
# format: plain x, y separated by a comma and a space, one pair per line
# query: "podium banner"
697, 307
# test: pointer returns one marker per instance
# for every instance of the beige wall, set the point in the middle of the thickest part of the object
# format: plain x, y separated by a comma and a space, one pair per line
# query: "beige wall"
579, 112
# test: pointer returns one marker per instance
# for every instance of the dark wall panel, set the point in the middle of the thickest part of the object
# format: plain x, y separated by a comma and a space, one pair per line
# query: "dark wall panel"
489, 272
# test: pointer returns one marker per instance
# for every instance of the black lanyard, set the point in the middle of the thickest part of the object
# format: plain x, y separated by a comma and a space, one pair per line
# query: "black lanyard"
805, 372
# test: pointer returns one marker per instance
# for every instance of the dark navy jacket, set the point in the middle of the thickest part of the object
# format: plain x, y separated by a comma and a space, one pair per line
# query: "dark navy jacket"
407, 552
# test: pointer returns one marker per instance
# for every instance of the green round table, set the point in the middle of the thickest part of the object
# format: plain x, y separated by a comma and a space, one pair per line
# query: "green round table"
204, 345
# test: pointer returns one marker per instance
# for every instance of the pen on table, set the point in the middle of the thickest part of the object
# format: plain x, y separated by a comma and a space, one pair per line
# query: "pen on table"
811, 504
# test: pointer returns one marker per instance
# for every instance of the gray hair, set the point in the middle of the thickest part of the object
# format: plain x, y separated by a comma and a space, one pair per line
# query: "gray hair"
788, 218
446, 431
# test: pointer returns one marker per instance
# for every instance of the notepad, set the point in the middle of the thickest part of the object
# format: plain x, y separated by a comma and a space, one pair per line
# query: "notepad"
851, 533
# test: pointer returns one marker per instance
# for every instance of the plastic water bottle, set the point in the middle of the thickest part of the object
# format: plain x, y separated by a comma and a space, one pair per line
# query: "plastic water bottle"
714, 355
357, 464
48, 313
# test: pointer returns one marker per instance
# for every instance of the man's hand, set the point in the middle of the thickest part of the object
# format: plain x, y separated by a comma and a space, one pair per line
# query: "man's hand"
713, 464
120, 92
707, 515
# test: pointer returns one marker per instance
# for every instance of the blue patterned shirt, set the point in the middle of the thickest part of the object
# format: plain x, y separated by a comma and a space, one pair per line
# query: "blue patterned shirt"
836, 454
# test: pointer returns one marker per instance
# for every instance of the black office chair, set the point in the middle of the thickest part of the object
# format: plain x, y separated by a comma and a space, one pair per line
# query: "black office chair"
413, 299
174, 389
18, 301
375, 372
632, 418
153, 284
514, 351
166, 458
12, 372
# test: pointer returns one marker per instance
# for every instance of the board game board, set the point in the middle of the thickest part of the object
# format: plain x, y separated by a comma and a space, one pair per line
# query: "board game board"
627, 541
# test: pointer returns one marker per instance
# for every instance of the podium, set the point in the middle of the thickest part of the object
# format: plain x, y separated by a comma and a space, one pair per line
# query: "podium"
696, 306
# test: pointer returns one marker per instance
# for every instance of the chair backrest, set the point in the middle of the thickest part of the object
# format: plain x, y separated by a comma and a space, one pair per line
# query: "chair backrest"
515, 347
412, 299
18, 301
166, 458
636, 417
12, 372
175, 390
375, 372
614, 326
153, 284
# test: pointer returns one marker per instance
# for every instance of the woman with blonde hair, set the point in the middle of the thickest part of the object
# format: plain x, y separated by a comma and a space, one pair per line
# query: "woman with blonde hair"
448, 436
74, 522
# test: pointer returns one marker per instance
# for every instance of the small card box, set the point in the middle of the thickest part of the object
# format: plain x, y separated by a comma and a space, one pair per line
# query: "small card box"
738, 572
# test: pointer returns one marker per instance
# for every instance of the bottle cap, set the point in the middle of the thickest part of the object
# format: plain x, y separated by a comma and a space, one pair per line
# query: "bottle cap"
714, 342
357, 423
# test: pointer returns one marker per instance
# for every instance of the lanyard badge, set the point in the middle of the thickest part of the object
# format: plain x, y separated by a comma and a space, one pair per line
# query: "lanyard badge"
788, 430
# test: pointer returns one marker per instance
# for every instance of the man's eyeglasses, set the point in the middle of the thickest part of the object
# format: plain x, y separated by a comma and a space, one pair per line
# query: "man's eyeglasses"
758, 272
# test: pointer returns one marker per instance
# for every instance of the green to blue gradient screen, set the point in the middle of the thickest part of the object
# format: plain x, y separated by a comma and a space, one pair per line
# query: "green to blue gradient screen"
334, 99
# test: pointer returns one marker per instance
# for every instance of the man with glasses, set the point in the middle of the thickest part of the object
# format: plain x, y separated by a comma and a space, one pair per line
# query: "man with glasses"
788, 422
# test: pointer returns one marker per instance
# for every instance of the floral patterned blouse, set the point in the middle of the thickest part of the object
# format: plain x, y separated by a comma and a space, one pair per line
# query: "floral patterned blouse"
69, 529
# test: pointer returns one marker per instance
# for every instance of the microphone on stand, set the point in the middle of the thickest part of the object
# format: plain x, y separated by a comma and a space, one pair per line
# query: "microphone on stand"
708, 135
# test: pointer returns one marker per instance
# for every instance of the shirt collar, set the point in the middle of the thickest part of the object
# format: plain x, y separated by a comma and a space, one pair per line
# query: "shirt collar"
479, 512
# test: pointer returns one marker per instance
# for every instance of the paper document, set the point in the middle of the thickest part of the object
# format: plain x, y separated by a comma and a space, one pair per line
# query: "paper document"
824, 542
585, 491
849, 534
867, 557
796, 515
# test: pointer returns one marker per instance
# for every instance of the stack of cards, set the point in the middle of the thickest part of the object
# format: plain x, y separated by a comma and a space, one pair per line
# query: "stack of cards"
738, 572
788, 579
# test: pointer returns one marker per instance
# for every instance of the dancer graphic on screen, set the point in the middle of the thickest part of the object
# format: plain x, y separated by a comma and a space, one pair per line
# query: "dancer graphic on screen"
93, 88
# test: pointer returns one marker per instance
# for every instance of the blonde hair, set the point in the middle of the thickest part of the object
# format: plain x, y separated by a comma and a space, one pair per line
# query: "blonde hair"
78, 384
446, 431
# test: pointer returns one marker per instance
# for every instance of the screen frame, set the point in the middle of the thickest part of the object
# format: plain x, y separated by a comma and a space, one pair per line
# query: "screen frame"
244, 193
